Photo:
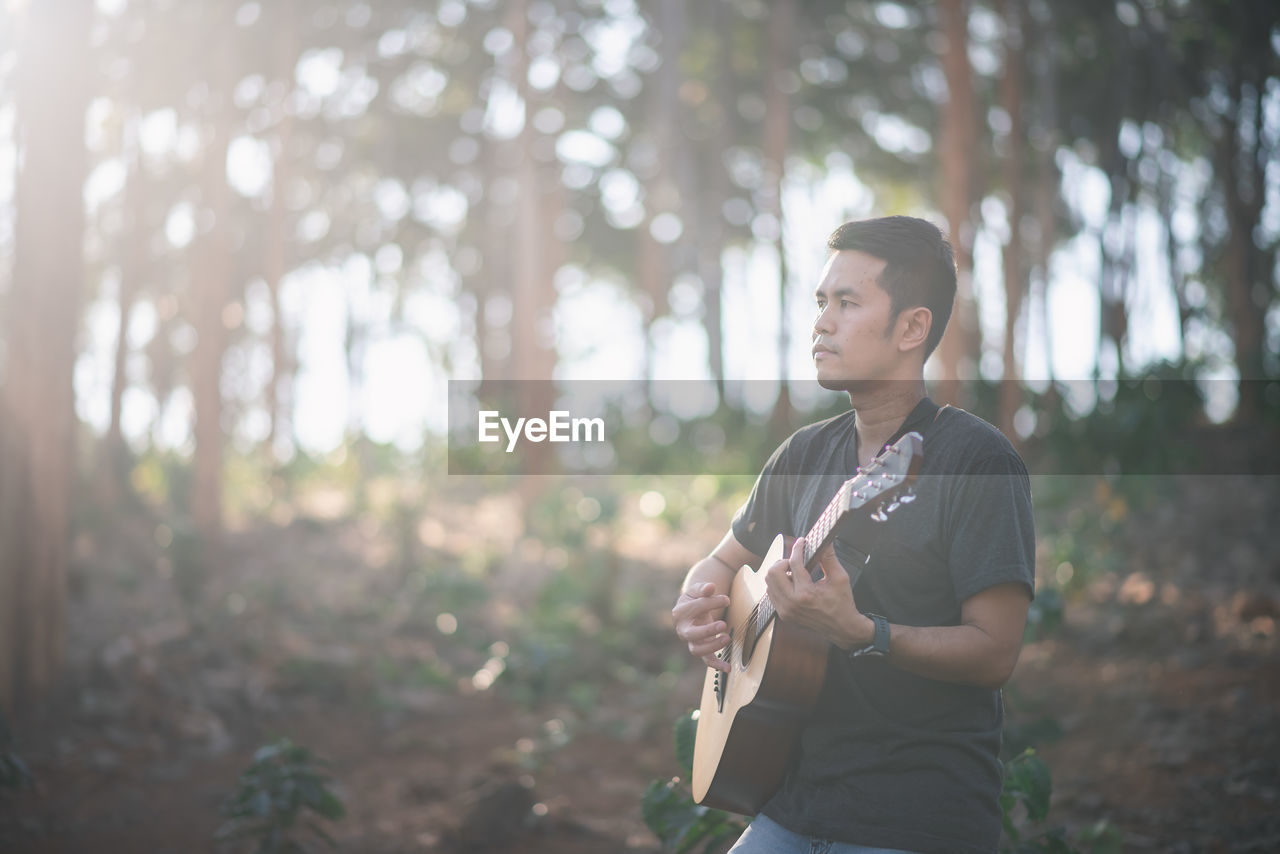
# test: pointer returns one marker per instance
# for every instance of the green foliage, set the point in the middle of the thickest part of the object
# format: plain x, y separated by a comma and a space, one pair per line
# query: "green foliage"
1028, 787
1021, 737
1026, 781
680, 824
670, 812
1116, 436
284, 785
686, 732
1044, 615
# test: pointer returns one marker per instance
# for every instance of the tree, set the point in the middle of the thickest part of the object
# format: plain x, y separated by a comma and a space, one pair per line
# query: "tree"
37, 411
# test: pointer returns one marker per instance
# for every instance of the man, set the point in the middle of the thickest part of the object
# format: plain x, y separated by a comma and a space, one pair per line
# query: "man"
900, 752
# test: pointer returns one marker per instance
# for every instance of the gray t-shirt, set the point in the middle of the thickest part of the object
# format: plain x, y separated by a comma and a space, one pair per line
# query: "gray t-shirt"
888, 758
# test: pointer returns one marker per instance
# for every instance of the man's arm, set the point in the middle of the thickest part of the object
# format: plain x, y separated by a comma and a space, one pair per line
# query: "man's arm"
704, 596
982, 650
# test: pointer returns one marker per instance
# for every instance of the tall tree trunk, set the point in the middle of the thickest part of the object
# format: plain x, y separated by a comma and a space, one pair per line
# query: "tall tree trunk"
715, 191
777, 132
960, 346
276, 261
132, 273
1248, 296
533, 295
1177, 281
1115, 285
37, 408
492, 339
1046, 185
211, 286
1114, 281
1014, 278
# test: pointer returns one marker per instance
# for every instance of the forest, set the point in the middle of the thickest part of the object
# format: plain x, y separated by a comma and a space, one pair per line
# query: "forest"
262, 263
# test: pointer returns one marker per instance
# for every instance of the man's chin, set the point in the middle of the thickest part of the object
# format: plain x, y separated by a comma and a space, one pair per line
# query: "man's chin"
839, 383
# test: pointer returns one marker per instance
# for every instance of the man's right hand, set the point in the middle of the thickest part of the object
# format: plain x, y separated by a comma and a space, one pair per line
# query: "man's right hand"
697, 615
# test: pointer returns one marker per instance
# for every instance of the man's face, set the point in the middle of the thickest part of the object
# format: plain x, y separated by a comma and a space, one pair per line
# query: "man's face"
853, 333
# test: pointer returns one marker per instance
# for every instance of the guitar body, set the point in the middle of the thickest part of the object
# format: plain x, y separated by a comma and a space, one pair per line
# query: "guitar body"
750, 718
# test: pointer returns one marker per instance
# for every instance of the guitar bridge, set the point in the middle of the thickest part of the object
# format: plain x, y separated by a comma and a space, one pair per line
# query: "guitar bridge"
721, 684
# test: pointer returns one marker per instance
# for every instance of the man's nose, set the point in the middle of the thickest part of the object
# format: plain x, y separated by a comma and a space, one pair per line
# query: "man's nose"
822, 324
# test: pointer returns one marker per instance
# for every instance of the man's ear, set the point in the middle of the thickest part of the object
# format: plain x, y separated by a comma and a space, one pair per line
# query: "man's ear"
913, 327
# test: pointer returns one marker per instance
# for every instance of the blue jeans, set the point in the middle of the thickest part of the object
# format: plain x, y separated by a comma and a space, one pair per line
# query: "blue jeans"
766, 836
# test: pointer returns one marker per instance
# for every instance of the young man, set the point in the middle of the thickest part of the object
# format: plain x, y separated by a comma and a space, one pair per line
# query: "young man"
900, 752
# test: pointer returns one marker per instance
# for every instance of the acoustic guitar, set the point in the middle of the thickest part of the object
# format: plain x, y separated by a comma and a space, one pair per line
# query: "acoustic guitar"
750, 717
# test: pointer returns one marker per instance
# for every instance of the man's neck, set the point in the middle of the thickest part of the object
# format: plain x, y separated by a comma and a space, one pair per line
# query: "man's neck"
880, 411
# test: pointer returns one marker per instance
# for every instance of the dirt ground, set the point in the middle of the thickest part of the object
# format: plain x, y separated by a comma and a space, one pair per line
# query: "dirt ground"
1161, 686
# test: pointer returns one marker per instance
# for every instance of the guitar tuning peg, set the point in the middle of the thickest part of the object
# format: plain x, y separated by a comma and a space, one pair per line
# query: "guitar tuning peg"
908, 496
893, 506
880, 515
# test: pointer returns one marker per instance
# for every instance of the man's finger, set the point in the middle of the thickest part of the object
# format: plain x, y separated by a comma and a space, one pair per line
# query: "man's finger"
799, 574
716, 663
777, 581
692, 607
831, 565
704, 631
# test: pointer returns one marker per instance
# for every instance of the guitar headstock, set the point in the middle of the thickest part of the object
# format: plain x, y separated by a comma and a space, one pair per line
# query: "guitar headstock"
888, 480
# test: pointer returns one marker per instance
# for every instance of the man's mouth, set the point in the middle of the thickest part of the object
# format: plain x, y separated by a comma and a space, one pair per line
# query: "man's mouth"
819, 351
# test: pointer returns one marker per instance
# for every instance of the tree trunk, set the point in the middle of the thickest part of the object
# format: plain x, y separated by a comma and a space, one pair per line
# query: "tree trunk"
533, 295
715, 191
1047, 181
134, 269
1015, 284
1247, 294
960, 346
211, 290
37, 407
777, 132
275, 252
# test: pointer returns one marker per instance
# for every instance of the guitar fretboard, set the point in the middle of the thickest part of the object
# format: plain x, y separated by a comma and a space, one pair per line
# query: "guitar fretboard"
821, 530
814, 542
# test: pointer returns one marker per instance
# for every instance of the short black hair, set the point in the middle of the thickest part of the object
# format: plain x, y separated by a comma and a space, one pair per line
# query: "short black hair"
920, 266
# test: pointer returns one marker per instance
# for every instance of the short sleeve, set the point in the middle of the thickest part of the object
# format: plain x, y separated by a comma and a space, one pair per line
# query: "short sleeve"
991, 527
766, 512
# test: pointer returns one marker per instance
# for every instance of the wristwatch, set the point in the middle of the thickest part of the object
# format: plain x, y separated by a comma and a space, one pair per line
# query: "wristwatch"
879, 645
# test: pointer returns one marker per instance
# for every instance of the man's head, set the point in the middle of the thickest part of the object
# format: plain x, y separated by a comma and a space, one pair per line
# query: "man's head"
919, 270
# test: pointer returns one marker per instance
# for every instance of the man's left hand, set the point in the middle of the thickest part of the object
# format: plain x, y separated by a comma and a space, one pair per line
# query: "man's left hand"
825, 605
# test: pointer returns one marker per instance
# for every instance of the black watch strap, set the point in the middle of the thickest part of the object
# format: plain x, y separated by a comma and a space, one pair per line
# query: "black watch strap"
880, 641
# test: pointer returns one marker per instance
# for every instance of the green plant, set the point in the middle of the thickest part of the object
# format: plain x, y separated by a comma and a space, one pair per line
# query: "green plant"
1028, 786
670, 812
284, 783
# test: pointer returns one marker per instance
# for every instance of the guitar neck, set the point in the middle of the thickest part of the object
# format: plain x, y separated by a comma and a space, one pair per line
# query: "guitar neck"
822, 533
824, 530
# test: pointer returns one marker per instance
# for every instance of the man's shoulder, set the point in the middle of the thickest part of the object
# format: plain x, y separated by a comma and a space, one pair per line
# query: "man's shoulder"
961, 439
797, 452
836, 428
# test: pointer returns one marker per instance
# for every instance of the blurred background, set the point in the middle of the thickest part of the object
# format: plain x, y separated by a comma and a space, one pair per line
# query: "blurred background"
245, 247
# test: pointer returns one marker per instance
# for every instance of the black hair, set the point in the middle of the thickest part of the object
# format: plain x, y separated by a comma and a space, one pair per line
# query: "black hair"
920, 266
